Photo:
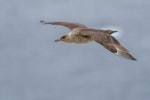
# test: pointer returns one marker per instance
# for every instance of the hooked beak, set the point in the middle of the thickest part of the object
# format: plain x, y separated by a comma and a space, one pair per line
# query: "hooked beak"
57, 40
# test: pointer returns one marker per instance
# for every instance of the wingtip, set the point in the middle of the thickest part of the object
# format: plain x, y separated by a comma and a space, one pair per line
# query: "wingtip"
43, 22
126, 55
134, 59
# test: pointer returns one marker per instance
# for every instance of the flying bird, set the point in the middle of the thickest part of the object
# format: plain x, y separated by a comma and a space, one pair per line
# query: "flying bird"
80, 34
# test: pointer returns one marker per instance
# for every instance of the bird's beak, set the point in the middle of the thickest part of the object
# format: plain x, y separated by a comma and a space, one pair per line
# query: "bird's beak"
57, 40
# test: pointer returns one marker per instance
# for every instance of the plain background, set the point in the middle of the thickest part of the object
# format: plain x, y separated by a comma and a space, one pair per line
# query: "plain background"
33, 67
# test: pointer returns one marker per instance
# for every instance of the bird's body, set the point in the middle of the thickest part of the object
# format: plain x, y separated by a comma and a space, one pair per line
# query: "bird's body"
80, 34
77, 36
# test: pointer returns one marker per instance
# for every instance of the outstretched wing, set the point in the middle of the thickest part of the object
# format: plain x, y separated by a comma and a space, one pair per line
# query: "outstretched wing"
69, 25
112, 45
121, 50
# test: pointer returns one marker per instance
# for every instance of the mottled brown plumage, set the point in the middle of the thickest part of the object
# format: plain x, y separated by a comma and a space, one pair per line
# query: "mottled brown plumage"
81, 34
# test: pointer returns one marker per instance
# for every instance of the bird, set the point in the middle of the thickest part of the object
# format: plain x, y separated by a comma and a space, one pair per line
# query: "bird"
80, 34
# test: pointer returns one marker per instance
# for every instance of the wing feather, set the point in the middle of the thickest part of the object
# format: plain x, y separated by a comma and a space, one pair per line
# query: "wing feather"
111, 44
69, 25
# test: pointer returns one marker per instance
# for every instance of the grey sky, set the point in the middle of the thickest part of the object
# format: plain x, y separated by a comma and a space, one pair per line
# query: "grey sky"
33, 67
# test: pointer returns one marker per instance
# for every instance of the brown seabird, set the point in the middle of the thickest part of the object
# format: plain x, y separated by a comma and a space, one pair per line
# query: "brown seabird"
81, 34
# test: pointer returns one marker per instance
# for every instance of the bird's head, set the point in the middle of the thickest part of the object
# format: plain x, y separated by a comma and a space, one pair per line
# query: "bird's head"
64, 38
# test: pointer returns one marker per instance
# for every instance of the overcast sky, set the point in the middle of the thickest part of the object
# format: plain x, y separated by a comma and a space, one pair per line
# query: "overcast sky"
34, 67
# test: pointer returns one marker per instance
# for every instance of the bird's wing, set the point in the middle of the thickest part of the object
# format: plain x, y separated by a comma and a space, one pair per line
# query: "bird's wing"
69, 25
122, 51
110, 43
106, 41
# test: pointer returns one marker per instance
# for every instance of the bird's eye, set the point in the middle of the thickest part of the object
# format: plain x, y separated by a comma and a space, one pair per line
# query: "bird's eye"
63, 37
